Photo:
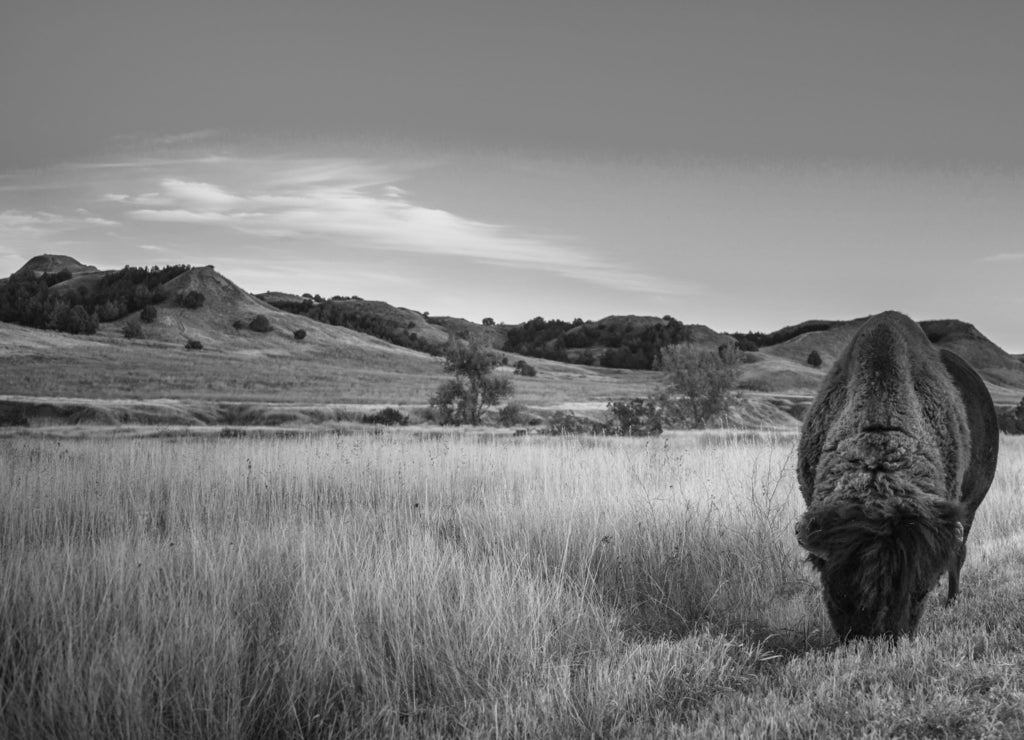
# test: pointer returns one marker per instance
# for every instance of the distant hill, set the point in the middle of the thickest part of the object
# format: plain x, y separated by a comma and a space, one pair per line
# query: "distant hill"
400, 326
631, 342
53, 263
485, 335
1003, 372
350, 342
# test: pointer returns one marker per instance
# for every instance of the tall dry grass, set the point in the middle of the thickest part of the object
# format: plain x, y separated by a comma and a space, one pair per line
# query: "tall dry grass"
401, 585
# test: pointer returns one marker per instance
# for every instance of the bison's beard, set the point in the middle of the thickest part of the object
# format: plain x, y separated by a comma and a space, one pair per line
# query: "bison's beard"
879, 558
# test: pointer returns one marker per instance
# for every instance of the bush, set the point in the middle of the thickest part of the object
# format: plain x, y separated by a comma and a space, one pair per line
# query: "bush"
261, 324
512, 414
192, 299
132, 330
566, 422
148, 314
638, 417
1011, 421
388, 417
193, 344
814, 359
238, 324
522, 367
299, 334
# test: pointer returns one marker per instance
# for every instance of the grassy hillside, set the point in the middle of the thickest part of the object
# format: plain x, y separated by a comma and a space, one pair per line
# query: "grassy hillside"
335, 363
400, 326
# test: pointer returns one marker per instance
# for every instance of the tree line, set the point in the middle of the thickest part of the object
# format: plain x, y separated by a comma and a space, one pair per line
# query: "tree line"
33, 301
631, 346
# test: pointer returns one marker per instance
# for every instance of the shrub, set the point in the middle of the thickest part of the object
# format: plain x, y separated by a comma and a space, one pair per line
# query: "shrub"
566, 422
261, 323
192, 299
1011, 421
148, 314
638, 417
388, 417
132, 330
511, 414
522, 367
814, 359
193, 344
238, 325
299, 334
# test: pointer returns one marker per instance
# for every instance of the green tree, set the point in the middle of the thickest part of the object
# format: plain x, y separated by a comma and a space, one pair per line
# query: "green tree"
81, 321
700, 383
474, 388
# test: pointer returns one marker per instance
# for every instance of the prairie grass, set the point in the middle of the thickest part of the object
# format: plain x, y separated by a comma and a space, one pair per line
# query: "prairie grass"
401, 585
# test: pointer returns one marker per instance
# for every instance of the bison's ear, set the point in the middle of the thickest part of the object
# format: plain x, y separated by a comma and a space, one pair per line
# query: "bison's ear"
805, 530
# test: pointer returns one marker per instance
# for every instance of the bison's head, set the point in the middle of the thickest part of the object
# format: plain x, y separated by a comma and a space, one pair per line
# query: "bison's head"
879, 558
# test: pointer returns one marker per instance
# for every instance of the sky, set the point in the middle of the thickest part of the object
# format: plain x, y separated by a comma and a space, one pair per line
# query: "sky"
744, 165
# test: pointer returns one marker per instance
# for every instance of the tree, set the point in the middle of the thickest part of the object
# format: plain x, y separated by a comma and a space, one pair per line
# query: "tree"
474, 387
814, 359
700, 384
299, 334
148, 314
488, 321
81, 321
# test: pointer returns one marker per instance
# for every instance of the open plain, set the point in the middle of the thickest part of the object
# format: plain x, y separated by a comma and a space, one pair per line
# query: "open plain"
410, 584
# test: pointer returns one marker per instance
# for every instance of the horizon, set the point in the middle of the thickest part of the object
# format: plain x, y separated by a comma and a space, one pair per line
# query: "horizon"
739, 165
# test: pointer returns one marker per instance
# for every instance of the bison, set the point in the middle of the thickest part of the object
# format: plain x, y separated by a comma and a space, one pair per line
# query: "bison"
895, 455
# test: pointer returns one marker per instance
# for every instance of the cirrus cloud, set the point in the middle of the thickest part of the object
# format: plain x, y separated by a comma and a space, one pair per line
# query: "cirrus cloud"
361, 206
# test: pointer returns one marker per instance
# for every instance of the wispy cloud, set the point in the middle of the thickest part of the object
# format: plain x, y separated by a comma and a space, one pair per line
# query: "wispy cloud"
361, 205
201, 194
38, 225
1004, 257
320, 207
177, 215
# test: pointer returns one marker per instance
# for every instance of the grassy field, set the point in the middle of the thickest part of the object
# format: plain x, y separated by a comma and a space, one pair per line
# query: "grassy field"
451, 585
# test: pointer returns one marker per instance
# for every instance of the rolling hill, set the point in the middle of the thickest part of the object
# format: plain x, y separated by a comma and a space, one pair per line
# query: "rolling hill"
334, 363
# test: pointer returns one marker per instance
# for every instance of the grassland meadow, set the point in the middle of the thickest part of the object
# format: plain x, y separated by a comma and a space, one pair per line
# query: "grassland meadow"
452, 585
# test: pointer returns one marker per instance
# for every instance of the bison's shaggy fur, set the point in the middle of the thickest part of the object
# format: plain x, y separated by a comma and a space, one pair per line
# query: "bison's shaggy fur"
895, 455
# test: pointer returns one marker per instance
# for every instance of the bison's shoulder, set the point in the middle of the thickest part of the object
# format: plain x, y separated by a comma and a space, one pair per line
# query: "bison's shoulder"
983, 425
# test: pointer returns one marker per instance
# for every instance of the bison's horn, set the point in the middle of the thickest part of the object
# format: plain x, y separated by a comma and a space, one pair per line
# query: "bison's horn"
959, 533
